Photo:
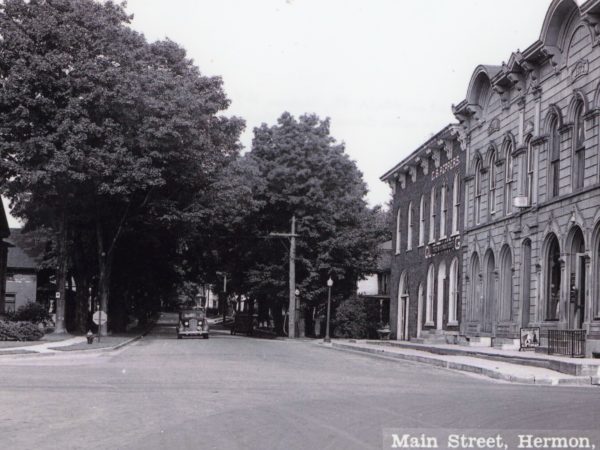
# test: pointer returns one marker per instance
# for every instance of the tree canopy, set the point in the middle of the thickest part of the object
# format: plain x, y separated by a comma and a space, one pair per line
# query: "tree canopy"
101, 131
305, 173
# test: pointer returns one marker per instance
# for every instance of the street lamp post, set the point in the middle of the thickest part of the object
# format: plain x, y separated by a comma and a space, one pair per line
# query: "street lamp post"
329, 284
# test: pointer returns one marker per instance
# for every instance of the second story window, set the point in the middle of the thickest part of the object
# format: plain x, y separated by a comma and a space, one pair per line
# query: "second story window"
508, 180
409, 236
578, 148
432, 217
554, 170
422, 221
530, 186
478, 193
443, 212
492, 172
398, 229
455, 203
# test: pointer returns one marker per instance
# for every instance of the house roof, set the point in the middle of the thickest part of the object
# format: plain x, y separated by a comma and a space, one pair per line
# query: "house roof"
25, 250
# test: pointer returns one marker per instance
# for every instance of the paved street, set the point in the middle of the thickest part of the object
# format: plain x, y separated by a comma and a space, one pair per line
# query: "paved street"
232, 392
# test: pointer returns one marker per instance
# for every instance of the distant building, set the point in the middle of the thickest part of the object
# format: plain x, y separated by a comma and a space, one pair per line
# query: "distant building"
26, 279
376, 287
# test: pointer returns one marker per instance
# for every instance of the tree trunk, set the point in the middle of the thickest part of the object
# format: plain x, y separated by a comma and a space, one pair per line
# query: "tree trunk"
61, 273
81, 303
104, 266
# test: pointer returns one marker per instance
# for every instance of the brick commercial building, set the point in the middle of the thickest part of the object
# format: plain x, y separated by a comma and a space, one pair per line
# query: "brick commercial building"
425, 283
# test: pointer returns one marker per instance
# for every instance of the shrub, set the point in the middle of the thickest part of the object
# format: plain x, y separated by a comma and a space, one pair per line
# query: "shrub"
351, 319
357, 318
31, 312
19, 331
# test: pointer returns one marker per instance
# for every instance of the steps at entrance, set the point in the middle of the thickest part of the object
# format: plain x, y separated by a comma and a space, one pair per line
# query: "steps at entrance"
506, 343
435, 337
476, 341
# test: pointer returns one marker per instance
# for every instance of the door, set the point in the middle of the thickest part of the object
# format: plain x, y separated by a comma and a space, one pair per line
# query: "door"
577, 294
401, 325
526, 271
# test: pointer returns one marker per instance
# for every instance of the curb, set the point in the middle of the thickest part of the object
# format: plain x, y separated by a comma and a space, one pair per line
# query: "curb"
464, 367
57, 351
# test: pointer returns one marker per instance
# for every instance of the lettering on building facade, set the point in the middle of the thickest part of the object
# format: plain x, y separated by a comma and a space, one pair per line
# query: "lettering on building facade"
444, 168
445, 245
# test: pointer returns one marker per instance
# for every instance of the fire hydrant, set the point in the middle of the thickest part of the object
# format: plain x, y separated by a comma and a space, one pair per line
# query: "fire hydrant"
90, 337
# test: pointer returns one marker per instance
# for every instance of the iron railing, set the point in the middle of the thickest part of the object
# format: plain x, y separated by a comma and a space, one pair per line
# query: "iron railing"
567, 342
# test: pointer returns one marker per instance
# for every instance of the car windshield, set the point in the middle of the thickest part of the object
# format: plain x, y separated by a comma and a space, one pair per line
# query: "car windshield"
186, 315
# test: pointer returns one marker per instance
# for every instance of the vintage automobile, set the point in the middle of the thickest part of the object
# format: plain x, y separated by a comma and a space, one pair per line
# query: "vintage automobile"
192, 322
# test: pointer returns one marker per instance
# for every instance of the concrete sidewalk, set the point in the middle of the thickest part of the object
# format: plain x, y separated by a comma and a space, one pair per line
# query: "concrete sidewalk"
45, 347
492, 368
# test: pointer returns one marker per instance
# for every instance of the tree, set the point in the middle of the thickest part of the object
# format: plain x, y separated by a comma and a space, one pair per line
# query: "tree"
307, 174
100, 129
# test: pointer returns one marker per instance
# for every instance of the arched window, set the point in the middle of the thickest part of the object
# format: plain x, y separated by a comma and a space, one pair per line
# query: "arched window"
443, 211
529, 182
420, 304
478, 192
398, 228
430, 291
409, 236
506, 291
441, 294
553, 278
432, 216
508, 179
453, 292
455, 203
474, 292
578, 148
422, 221
554, 169
492, 172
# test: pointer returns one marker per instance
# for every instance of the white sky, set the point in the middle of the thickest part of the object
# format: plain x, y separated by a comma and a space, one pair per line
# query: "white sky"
385, 71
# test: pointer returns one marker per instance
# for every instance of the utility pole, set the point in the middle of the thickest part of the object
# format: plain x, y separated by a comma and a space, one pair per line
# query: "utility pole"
292, 302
